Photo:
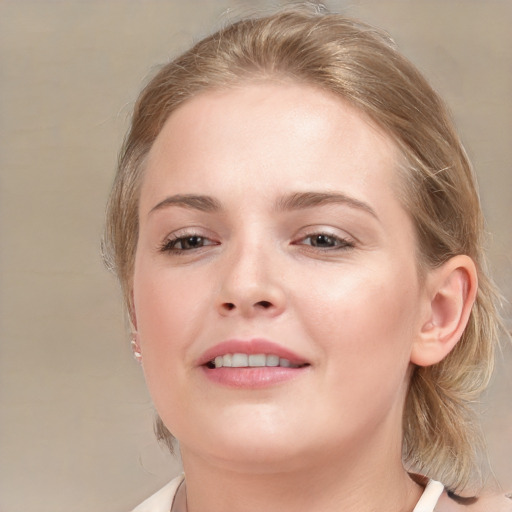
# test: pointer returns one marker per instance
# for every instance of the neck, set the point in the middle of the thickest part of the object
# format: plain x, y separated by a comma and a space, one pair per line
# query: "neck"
362, 482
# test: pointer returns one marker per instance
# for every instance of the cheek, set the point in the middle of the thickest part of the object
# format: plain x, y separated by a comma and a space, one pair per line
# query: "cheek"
159, 313
165, 300
170, 307
364, 323
164, 323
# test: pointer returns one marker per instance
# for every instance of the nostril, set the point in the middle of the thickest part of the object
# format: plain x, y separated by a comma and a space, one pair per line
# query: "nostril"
261, 305
264, 304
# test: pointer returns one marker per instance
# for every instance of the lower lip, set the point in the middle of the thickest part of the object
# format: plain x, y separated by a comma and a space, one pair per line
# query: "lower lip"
253, 378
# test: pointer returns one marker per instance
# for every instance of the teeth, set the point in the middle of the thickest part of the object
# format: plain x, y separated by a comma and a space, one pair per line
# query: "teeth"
272, 360
252, 360
240, 360
257, 360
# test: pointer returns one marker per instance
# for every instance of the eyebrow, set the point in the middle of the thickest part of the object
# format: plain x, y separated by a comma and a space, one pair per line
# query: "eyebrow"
290, 202
192, 201
303, 200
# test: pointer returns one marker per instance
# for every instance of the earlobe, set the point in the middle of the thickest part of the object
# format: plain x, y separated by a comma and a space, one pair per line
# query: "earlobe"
451, 291
137, 354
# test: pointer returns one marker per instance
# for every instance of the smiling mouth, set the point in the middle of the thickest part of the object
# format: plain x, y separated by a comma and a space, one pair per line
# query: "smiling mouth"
238, 360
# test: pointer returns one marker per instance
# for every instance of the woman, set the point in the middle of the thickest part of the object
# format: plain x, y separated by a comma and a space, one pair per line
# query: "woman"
297, 232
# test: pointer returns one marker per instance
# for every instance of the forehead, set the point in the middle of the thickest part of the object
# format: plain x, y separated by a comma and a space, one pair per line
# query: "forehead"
286, 132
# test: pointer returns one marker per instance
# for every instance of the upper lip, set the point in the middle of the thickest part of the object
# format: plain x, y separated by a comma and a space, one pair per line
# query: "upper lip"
253, 346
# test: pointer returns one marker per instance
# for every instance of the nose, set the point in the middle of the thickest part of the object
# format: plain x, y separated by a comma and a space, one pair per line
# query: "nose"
251, 285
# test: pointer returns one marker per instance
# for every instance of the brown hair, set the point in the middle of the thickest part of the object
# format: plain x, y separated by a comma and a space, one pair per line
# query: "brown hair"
362, 66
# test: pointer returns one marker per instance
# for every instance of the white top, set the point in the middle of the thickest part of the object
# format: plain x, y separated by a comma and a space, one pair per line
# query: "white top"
430, 497
162, 500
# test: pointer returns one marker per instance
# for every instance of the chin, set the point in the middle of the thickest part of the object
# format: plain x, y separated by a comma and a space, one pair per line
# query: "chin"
250, 447
258, 456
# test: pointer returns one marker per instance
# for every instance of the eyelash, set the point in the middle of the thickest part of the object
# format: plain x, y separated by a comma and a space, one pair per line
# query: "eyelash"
169, 245
336, 243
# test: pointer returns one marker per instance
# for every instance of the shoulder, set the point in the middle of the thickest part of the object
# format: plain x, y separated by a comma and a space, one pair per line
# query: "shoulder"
492, 503
162, 500
485, 503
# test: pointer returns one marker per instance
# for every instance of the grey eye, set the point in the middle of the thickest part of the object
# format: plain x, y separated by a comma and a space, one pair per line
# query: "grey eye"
323, 241
186, 243
189, 242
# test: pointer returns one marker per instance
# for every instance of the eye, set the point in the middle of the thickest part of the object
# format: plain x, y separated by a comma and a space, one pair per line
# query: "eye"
186, 243
325, 241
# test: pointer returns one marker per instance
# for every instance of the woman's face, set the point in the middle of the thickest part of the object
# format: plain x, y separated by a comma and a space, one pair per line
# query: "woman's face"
269, 227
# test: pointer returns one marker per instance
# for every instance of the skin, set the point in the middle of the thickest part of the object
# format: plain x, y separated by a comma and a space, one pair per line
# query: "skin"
351, 304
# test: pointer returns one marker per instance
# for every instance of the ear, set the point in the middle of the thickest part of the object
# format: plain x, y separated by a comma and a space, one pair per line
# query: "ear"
137, 354
451, 291
131, 313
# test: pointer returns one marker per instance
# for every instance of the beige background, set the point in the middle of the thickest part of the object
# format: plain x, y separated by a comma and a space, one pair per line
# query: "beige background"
76, 421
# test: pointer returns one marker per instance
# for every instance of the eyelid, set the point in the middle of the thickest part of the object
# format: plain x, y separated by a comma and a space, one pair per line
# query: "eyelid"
339, 242
182, 234
310, 231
